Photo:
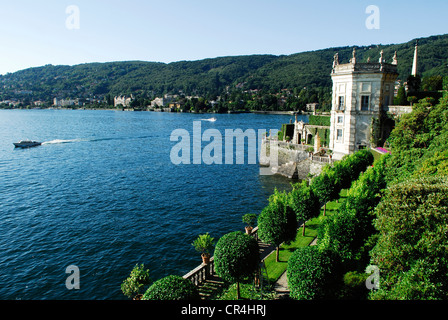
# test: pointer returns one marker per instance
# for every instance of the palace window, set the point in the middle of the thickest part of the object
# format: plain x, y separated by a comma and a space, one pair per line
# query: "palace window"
340, 119
339, 134
341, 103
365, 100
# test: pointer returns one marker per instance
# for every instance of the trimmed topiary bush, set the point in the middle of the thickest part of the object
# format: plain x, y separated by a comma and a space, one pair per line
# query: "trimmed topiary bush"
277, 222
172, 288
304, 202
313, 275
236, 257
355, 286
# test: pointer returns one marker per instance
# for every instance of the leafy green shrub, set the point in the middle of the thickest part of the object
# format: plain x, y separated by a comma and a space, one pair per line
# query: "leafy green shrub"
421, 282
325, 186
339, 233
313, 274
413, 245
319, 120
250, 219
248, 291
172, 288
366, 192
138, 278
354, 286
277, 222
304, 202
236, 257
343, 174
203, 244
347, 230
333, 179
358, 162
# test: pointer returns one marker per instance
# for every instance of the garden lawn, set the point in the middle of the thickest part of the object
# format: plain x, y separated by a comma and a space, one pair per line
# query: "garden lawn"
276, 269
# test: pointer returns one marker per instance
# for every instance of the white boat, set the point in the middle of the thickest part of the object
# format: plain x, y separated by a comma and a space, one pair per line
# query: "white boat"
26, 144
210, 119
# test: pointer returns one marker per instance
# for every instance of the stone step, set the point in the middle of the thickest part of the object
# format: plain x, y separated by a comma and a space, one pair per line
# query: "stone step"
210, 287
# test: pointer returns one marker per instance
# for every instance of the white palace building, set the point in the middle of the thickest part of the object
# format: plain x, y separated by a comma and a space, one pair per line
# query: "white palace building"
361, 91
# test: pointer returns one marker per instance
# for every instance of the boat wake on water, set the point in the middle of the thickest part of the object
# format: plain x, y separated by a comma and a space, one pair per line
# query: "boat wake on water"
210, 119
59, 141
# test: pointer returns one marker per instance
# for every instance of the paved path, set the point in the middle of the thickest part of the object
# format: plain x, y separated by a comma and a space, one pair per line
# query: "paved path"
281, 286
214, 283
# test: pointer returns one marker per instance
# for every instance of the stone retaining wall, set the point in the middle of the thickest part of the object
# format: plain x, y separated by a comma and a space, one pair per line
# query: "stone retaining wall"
294, 161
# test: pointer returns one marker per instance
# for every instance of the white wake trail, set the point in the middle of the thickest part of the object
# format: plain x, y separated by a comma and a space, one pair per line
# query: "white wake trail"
210, 119
59, 141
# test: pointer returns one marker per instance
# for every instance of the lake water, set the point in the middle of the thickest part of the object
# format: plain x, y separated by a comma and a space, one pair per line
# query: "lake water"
102, 194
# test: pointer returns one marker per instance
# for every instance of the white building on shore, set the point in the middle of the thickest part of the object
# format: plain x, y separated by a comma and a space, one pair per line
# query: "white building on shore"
165, 100
65, 102
123, 101
361, 92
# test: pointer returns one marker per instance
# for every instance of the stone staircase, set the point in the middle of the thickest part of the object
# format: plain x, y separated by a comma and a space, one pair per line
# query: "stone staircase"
211, 287
214, 285
288, 170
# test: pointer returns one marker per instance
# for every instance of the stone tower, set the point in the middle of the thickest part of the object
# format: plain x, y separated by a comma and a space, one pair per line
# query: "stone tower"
361, 91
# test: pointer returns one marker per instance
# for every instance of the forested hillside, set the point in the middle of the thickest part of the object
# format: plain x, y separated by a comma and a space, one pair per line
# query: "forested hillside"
223, 76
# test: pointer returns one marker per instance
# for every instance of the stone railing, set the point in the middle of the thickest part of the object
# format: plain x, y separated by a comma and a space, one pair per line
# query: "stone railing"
294, 146
289, 145
201, 273
205, 271
321, 159
398, 110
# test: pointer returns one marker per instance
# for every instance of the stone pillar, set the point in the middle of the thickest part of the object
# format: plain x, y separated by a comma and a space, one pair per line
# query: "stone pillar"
316, 143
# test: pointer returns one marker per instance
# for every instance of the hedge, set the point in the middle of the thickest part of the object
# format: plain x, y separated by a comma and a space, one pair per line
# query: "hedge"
172, 288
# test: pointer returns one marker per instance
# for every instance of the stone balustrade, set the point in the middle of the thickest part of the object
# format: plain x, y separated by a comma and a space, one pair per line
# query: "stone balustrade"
205, 271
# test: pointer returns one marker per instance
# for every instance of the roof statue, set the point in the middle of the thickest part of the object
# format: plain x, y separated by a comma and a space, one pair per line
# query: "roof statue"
381, 57
395, 60
353, 59
336, 60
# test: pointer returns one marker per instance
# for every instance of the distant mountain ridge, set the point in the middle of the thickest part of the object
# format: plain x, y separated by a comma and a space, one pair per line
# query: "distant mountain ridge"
212, 76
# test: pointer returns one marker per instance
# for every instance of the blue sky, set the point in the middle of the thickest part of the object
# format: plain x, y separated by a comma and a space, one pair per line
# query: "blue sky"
34, 33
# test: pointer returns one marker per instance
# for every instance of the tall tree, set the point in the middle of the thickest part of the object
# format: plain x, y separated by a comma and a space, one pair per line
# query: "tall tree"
277, 222
325, 187
401, 98
304, 202
236, 257
313, 274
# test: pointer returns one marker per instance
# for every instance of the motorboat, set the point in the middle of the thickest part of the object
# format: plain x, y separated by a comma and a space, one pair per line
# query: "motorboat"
26, 144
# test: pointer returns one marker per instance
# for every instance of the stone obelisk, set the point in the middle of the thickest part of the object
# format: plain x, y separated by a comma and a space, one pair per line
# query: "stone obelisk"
415, 64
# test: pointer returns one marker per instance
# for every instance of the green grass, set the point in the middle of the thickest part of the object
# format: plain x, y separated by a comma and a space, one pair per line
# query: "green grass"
276, 269
247, 291
376, 154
